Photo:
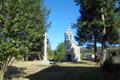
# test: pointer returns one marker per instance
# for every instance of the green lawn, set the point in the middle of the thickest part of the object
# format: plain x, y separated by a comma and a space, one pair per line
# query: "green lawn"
84, 70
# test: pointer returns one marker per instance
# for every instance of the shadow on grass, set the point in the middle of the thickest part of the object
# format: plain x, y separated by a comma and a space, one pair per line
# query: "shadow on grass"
82, 62
71, 73
14, 72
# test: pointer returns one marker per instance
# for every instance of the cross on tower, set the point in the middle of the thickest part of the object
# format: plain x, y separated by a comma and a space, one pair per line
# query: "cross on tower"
68, 34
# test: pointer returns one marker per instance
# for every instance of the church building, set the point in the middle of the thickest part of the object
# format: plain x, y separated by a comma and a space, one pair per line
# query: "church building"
72, 51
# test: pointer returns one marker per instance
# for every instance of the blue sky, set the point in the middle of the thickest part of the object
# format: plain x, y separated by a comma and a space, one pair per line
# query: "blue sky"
62, 14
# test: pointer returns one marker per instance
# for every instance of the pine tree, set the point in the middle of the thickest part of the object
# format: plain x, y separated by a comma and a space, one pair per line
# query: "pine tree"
88, 25
97, 22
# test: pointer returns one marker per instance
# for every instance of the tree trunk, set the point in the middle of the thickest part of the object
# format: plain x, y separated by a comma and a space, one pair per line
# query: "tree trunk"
5, 66
26, 58
1, 75
104, 55
95, 48
104, 32
40, 56
104, 49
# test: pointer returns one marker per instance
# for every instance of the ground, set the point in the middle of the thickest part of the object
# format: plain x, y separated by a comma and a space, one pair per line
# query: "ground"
84, 70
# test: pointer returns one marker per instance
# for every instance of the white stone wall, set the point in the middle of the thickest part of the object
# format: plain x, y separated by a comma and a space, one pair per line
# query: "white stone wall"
74, 50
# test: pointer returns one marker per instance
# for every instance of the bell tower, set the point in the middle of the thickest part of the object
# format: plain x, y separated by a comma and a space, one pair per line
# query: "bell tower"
68, 35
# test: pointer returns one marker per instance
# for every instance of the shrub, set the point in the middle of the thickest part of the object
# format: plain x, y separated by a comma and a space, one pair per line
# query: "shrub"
112, 62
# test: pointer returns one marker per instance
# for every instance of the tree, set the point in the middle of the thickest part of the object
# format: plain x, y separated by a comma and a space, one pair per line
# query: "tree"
10, 44
88, 25
110, 25
92, 28
50, 51
22, 25
36, 19
59, 52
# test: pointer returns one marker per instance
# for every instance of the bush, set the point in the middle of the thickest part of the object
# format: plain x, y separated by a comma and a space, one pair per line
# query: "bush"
59, 52
112, 63
110, 67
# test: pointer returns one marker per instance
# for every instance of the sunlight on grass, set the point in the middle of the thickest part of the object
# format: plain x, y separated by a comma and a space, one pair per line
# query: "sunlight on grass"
82, 63
83, 70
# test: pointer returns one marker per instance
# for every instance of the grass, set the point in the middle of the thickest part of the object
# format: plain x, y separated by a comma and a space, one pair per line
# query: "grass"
84, 70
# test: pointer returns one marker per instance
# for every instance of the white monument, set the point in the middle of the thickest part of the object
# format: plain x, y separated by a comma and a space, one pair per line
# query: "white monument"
72, 51
45, 59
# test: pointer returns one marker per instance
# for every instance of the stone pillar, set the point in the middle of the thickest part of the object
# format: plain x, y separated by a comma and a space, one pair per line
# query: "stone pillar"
45, 47
45, 59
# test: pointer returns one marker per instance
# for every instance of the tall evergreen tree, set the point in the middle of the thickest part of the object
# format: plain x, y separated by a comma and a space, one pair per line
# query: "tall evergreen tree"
97, 22
110, 24
89, 22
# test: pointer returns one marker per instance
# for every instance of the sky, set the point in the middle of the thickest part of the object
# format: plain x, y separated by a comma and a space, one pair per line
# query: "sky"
63, 13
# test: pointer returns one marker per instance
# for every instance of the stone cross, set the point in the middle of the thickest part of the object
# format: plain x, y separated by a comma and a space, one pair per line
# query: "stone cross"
45, 60
45, 47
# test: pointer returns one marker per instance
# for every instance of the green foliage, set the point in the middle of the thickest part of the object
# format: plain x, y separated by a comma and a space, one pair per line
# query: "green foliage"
50, 54
50, 51
22, 25
59, 52
90, 26
89, 23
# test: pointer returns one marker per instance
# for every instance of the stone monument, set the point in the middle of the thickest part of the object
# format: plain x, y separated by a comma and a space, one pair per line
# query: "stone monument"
45, 59
72, 51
